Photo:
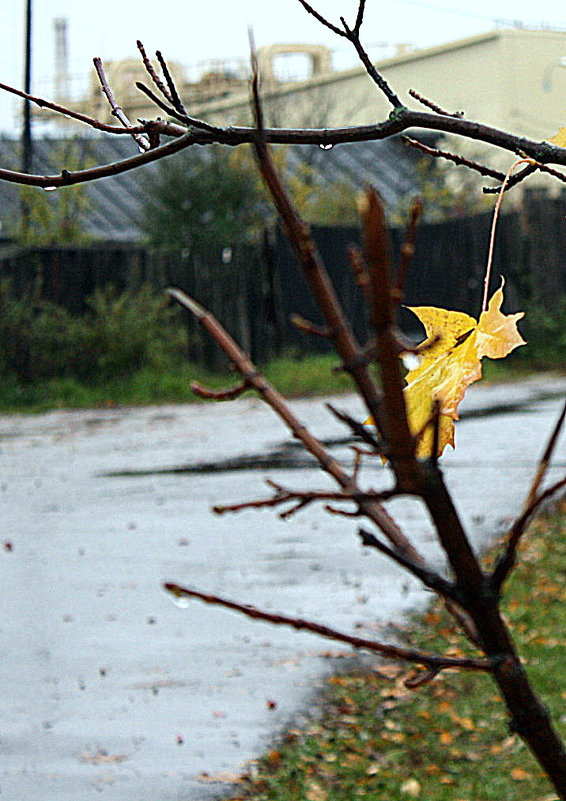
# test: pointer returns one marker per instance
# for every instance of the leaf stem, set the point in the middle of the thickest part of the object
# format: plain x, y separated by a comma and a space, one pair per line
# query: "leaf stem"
496, 211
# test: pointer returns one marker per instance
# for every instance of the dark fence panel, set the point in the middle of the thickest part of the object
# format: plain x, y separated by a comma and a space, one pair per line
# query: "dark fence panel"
447, 269
256, 290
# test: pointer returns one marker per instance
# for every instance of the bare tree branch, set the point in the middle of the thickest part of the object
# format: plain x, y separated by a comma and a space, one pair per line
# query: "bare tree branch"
507, 560
396, 432
302, 498
543, 152
117, 111
546, 457
432, 661
298, 234
372, 510
455, 159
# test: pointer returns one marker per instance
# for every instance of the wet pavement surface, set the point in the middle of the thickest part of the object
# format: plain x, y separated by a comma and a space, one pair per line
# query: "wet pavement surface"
112, 691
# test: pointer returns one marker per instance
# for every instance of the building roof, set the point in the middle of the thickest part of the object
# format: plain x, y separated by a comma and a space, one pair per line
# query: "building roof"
114, 203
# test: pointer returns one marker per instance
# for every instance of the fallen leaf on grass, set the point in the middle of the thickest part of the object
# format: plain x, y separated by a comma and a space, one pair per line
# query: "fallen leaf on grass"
316, 793
411, 788
520, 775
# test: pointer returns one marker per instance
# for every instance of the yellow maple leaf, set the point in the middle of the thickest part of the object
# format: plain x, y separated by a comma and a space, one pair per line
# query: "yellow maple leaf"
451, 361
560, 138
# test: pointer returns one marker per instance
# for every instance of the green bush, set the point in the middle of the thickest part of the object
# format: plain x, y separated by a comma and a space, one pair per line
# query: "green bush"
120, 333
132, 329
545, 332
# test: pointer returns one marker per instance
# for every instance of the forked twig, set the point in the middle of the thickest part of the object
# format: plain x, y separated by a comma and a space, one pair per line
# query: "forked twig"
152, 73
117, 111
433, 661
353, 36
303, 498
372, 510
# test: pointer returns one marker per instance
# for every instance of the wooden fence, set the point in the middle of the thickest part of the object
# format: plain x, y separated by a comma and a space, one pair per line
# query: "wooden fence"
255, 291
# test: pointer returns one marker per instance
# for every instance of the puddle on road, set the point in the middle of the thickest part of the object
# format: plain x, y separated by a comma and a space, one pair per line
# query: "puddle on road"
290, 455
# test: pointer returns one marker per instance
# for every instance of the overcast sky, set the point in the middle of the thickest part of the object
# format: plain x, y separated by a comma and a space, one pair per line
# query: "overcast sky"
189, 31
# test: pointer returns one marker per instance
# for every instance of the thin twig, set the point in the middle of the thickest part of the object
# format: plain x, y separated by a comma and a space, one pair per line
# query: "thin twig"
275, 400
407, 249
173, 94
75, 115
435, 661
434, 152
152, 73
507, 560
433, 106
220, 395
532, 167
323, 21
359, 429
309, 328
302, 498
429, 578
159, 102
545, 459
117, 111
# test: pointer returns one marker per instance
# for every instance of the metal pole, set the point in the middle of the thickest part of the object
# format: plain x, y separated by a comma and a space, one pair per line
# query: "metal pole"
27, 155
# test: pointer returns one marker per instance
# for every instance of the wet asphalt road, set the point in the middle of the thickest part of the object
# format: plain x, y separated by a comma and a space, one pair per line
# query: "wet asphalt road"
112, 691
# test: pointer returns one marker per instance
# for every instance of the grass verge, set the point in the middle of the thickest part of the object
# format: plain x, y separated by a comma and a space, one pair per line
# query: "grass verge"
293, 377
449, 740
311, 375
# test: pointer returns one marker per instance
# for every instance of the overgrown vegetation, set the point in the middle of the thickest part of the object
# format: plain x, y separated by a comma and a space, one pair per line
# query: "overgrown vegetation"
377, 739
130, 349
203, 201
121, 333
56, 217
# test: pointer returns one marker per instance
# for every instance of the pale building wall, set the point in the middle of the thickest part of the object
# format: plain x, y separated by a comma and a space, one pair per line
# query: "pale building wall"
510, 79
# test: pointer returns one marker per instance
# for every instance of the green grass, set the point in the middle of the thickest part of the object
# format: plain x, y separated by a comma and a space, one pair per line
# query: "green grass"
449, 740
312, 375
293, 377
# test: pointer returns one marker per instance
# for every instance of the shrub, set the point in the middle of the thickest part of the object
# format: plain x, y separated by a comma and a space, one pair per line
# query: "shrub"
121, 333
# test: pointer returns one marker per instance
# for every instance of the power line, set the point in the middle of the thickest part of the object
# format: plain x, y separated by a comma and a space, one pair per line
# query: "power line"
501, 21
